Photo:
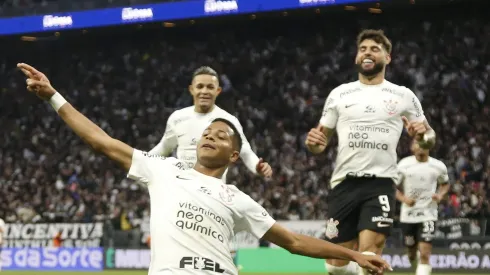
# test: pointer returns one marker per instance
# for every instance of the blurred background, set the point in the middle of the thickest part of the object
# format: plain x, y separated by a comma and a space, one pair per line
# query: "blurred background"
126, 64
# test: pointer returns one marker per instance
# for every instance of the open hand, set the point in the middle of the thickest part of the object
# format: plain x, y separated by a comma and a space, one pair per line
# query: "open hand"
37, 82
374, 263
264, 169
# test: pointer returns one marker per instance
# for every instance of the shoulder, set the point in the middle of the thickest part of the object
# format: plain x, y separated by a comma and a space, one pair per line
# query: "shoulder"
437, 163
397, 90
158, 161
345, 89
220, 113
405, 161
179, 113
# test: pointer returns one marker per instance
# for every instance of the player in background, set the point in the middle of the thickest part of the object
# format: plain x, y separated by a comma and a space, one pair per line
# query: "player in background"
2, 232
368, 116
192, 224
185, 126
423, 182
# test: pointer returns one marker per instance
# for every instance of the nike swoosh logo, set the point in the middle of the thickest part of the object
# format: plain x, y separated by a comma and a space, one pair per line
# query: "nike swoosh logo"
181, 178
179, 136
350, 105
380, 224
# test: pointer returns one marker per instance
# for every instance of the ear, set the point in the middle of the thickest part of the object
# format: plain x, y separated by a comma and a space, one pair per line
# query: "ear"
191, 89
234, 156
218, 91
388, 59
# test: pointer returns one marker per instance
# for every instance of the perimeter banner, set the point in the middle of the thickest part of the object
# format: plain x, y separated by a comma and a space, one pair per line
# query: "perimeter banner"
42, 234
269, 260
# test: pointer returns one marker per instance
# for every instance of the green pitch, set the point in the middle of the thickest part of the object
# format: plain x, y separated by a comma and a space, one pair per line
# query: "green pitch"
144, 273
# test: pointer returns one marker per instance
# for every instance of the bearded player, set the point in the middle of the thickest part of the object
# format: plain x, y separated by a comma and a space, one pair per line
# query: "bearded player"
424, 183
368, 116
185, 126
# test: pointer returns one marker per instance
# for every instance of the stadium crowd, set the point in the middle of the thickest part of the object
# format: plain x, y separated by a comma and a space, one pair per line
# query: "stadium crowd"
275, 74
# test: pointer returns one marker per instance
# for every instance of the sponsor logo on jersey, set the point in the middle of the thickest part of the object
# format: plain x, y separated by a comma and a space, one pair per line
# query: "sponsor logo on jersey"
359, 137
417, 108
370, 109
391, 106
348, 92
393, 91
191, 217
200, 263
332, 231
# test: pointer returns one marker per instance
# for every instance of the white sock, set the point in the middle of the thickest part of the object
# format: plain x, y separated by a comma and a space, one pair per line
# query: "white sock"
423, 269
363, 271
349, 269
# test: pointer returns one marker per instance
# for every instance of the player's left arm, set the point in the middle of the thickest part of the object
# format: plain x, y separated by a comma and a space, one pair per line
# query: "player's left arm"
250, 159
443, 181
416, 122
254, 219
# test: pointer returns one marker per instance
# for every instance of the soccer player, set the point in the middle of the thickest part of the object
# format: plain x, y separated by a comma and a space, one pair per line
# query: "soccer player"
194, 214
185, 126
420, 176
368, 116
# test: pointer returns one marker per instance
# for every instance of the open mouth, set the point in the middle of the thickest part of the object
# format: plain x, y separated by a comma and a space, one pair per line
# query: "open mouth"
367, 62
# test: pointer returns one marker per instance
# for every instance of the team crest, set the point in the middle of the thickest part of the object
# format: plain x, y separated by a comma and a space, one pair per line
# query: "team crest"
391, 106
331, 231
226, 195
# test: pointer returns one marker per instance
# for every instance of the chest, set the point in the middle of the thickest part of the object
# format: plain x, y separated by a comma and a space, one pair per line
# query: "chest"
199, 202
189, 131
421, 175
374, 104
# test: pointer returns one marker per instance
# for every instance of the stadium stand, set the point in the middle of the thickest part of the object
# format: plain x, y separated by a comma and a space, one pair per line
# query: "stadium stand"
276, 74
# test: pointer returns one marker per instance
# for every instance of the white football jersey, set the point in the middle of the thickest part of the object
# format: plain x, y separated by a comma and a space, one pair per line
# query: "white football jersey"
2, 230
368, 123
194, 217
185, 128
420, 181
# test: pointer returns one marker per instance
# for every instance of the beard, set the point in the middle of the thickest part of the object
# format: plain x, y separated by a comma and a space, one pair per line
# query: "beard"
375, 70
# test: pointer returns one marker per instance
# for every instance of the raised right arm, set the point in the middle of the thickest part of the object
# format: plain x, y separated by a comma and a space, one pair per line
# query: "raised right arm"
88, 131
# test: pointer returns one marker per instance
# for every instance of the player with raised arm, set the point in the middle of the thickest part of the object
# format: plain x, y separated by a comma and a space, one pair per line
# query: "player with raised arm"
194, 214
368, 116
185, 126
424, 182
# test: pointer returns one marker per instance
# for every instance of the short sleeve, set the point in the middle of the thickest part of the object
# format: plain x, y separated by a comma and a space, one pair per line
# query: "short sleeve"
330, 113
145, 165
401, 172
443, 176
253, 218
413, 111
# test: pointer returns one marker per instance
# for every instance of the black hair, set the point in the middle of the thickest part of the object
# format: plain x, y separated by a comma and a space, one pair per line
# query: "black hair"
236, 137
204, 70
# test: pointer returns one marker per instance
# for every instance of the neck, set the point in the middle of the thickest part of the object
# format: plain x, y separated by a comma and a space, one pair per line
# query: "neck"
421, 158
372, 80
212, 172
201, 110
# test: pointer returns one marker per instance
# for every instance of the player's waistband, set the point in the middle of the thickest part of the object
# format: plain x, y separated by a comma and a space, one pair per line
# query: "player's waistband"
361, 175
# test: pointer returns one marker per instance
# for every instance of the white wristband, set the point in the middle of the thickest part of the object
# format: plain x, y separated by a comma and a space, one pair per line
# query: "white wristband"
56, 101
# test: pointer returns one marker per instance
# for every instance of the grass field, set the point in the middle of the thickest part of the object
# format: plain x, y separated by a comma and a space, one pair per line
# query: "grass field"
144, 273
